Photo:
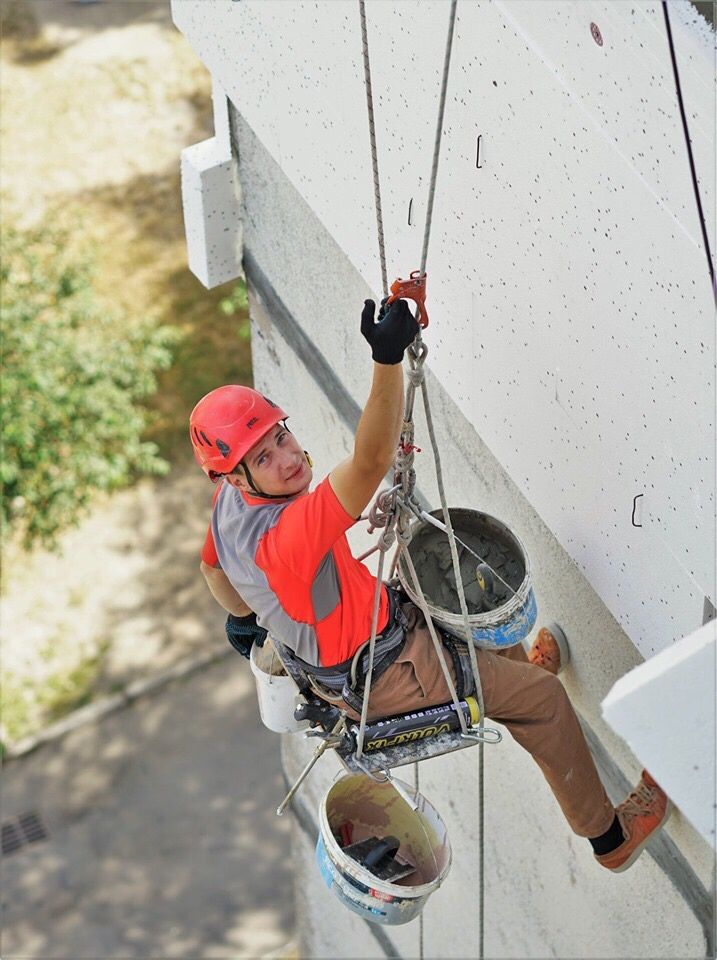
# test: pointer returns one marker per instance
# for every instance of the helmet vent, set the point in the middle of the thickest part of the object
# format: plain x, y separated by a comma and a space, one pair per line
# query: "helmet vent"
209, 442
197, 437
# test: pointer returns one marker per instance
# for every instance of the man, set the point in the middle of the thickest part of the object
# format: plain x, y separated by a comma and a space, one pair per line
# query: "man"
277, 559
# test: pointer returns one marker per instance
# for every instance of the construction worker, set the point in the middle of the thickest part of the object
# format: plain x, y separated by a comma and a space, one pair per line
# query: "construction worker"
277, 559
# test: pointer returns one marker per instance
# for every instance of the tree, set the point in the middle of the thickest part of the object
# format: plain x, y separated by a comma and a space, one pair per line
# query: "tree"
74, 376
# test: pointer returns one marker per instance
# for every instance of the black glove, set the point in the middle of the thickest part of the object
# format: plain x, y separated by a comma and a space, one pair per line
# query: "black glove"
242, 632
392, 333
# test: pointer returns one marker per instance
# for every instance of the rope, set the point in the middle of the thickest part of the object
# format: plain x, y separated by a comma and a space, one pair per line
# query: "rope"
434, 637
454, 553
374, 155
416, 783
371, 648
439, 131
417, 377
688, 142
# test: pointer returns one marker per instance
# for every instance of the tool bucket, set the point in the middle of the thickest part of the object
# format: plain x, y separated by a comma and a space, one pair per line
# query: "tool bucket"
499, 617
357, 807
275, 690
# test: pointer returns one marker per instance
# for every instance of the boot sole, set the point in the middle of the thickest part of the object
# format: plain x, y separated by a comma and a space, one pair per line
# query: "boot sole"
638, 850
562, 642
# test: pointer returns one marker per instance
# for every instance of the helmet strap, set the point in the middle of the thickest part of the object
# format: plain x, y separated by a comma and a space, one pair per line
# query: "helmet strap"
256, 491
250, 480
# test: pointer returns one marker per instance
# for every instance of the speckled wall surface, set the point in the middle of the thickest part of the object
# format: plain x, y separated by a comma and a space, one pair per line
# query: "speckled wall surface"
308, 226
546, 897
570, 302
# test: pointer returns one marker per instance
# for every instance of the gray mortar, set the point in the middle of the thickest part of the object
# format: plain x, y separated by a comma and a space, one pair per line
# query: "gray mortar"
431, 555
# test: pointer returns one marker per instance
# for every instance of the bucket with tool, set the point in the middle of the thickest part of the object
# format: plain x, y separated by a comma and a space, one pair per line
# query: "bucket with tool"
495, 571
275, 690
383, 848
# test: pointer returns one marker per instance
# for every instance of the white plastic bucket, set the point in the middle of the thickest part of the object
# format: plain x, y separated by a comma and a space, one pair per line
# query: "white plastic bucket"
374, 808
275, 689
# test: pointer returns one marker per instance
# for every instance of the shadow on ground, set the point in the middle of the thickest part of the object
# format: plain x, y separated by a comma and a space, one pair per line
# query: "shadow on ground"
163, 839
42, 29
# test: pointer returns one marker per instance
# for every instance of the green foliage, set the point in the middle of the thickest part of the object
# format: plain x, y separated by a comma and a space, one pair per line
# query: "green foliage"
28, 705
74, 376
235, 302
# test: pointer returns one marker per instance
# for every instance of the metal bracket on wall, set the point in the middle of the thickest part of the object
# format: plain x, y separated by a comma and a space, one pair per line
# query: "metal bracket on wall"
479, 152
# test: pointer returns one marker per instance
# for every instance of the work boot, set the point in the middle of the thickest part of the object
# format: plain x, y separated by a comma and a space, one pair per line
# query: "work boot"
550, 649
641, 815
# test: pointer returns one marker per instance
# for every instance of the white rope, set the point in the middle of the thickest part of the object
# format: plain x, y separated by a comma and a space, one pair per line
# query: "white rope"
434, 637
454, 552
371, 648
436, 455
374, 154
439, 131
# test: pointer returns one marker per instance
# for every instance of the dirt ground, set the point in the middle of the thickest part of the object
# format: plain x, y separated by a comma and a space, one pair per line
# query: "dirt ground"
98, 100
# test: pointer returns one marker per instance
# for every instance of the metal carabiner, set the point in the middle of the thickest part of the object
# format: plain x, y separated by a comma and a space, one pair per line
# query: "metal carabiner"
478, 736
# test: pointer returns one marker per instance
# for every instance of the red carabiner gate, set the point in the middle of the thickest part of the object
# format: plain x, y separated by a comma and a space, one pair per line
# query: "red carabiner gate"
412, 289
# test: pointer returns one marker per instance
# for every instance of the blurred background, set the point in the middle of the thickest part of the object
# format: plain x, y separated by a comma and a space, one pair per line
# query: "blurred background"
108, 342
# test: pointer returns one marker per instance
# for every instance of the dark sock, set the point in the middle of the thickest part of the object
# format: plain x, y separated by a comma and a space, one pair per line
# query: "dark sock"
610, 840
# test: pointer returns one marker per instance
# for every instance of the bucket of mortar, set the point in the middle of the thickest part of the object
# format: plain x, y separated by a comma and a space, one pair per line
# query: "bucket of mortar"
357, 808
499, 617
275, 690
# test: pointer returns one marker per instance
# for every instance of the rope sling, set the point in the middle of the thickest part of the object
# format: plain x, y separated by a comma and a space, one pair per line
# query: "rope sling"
395, 508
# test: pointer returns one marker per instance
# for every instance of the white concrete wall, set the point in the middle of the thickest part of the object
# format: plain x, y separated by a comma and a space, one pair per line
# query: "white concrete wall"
509, 446
546, 896
572, 312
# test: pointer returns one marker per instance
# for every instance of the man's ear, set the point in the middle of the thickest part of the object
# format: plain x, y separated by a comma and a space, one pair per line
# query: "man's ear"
238, 480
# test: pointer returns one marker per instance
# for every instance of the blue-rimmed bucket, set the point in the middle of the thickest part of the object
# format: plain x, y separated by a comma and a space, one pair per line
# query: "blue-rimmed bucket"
502, 611
358, 807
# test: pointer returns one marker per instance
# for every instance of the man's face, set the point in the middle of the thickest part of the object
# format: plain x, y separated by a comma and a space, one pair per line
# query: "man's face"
277, 464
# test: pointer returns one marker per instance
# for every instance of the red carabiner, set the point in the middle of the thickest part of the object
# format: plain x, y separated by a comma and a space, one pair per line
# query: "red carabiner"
412, 289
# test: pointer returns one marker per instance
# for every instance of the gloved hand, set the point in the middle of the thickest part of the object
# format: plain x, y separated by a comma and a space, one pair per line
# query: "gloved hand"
394, 330
242, 632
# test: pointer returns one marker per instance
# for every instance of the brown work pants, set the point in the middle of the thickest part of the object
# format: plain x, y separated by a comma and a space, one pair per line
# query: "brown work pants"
528, 700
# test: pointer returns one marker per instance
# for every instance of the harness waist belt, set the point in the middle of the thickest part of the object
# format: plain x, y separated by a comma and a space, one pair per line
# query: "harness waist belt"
389, 644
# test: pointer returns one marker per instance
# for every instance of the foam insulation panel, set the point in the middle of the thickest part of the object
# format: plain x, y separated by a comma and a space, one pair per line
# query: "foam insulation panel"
211, 202
665, 710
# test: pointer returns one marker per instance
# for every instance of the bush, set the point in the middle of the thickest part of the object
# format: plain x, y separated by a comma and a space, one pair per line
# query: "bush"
73, 376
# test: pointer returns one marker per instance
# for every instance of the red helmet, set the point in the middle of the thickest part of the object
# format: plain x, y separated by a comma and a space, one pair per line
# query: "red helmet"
226, 424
